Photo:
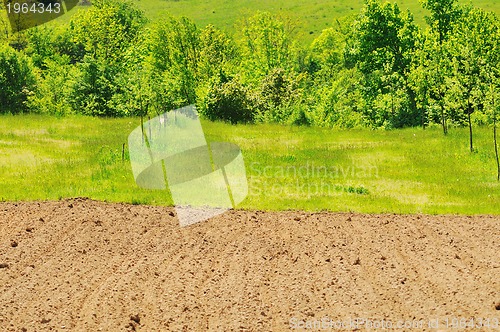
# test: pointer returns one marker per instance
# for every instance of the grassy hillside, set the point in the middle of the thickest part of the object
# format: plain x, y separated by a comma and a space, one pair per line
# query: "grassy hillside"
404, 171
311, 16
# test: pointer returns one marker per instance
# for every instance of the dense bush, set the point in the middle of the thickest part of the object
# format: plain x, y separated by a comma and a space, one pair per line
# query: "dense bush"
17, 81
227, 99
54, 91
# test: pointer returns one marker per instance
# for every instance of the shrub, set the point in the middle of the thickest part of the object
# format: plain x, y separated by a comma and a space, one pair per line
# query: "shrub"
227, 100
17, 80
53, 95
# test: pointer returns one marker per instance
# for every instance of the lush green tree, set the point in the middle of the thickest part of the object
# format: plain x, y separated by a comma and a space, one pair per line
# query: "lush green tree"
218, 53
54, 90
430, 79
108, 28
473, 53
278, 93
444, 13
327, 54
135, 83
383, 50
341, 102
267, 42
17, 80
491, 78
94, 88
106, 32
173, 61
4, 25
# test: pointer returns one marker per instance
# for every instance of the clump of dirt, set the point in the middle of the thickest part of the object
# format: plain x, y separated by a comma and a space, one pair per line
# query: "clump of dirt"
90, 264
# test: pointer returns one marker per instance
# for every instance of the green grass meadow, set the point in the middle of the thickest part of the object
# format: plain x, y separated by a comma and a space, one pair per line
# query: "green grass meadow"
400, 171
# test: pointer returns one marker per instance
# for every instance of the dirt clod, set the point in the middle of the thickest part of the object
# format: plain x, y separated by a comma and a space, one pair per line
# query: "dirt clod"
4, 265
135, 318
497, 306
13, 244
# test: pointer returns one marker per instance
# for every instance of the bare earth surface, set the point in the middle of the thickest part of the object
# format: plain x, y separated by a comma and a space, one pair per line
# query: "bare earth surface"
81, 265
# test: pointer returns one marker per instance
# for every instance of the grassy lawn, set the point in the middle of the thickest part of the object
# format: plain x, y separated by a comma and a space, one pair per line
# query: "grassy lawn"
401, 171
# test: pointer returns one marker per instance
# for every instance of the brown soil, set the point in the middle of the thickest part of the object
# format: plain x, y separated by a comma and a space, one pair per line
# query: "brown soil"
81, 265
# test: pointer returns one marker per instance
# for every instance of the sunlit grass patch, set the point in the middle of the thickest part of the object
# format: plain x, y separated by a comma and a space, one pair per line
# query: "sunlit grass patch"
401, 171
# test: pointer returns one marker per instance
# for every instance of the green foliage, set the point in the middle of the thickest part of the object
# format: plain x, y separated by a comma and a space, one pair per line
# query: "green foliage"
385, 39
383, 48
107, 31
277, 92
267, 42
174, 55
327, 53
227, 99
17, 80
444, 13
474, 56
4, 25
375, 69
54, 91
107, 28
218, 53
95, 89
340, 103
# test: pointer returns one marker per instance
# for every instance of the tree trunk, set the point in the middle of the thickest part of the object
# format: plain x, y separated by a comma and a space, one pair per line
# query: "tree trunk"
443, 120
470, 129
495, 138
496, 148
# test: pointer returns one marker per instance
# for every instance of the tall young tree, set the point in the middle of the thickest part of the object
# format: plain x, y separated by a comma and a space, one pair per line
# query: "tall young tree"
443, 14
432, 67
385, 40
429, 77
174, 46
473, 47
267, 43
491, 74
218, 53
